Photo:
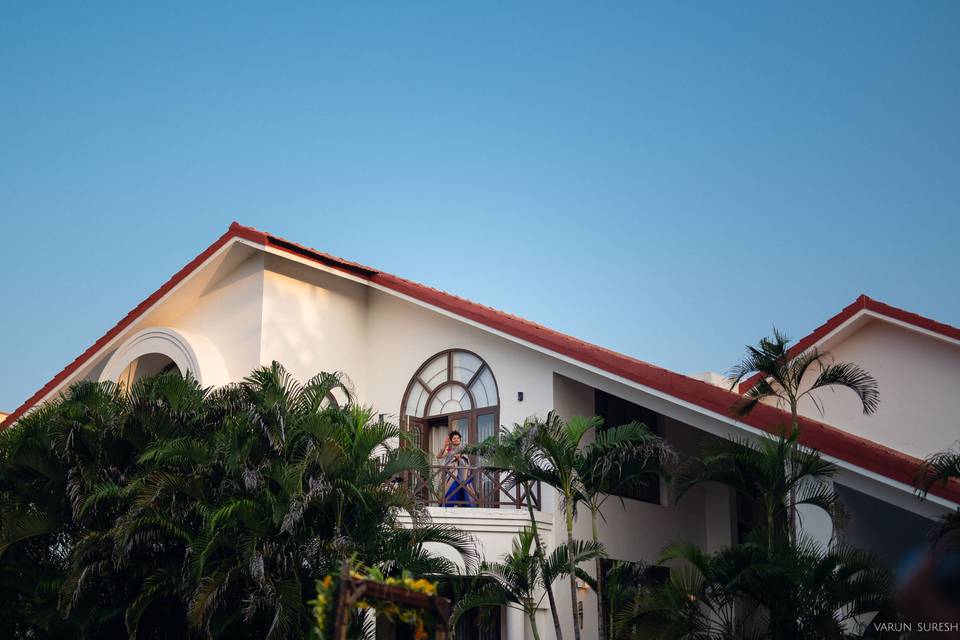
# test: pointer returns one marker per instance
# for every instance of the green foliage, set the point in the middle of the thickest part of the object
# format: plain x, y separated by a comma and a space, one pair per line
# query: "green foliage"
783, 375
796, 591
585, 464
774, 585
519, 580
169, 510
940, 469
774, 475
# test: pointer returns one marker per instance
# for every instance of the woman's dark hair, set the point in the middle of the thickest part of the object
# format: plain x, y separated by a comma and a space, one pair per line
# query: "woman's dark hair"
455, 433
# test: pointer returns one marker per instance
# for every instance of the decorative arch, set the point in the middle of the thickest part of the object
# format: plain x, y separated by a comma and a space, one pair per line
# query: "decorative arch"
452, 390
158, 345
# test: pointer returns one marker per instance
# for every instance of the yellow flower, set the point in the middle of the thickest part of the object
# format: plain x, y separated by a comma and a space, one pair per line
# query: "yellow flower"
327, 582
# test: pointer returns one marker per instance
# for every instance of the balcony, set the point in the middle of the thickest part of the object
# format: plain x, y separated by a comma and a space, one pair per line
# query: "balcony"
470, 486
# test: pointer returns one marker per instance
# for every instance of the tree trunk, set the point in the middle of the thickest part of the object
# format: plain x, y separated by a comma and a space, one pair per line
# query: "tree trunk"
532, 617
795, 427
542, 559
601, 600
573, 567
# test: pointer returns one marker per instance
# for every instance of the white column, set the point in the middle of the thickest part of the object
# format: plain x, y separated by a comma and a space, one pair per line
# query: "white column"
516, 624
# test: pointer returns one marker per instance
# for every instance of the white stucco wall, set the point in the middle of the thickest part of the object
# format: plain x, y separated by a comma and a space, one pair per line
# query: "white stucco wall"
402, 336
314, 321
918, 377
227, 312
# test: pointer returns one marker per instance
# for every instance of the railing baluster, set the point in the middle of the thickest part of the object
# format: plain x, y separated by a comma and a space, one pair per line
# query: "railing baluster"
478, 487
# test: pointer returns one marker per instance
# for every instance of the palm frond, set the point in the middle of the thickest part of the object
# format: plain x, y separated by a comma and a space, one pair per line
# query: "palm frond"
557, 563
938, 468
853, 377
488, 595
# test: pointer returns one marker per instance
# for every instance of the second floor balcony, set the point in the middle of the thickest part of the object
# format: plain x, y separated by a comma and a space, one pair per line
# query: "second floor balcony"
467, 486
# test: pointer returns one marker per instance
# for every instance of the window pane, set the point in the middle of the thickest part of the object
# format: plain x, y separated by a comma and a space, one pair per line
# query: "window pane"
485, 389
463, 426
435, 373
464, 399
464, 366
447, 400
439, 399
485, 426
479, 394
438, 434
416, 400
436, 407
437, 379
450, 406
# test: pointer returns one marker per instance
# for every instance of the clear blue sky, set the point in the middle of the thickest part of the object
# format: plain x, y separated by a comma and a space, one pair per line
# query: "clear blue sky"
665, 179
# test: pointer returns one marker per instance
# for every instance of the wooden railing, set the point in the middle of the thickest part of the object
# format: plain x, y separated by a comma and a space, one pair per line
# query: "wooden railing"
471, 486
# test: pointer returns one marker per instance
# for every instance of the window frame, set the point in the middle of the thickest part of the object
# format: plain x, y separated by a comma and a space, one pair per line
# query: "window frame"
473, 414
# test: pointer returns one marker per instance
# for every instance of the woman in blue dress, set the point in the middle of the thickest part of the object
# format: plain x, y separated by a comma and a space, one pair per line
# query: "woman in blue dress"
456, 472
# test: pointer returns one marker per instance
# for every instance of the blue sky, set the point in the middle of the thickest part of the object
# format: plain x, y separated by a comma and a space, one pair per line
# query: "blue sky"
666, 179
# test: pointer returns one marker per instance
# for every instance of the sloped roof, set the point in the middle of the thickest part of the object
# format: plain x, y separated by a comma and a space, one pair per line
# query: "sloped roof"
830, 440
863, 305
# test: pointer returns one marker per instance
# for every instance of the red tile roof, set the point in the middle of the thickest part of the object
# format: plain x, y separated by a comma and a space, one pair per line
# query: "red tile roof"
862, 303
827, 439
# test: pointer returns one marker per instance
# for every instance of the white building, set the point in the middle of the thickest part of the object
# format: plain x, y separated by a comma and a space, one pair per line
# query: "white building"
438, 362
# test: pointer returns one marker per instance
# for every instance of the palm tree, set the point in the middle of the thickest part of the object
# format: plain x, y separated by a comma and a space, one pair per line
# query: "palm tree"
620, 459
699, 601
511, 451
581, 471
621, 584
35, 531
781, 380
813, 592
775, 474
800, 591
941, 468
310, 485
783, 585
168, 509
781, 377
517, 581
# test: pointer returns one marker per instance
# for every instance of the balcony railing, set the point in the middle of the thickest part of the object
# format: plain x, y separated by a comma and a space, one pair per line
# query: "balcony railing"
471, 486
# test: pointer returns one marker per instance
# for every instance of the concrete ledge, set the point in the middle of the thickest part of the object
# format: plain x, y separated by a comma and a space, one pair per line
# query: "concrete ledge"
478, 520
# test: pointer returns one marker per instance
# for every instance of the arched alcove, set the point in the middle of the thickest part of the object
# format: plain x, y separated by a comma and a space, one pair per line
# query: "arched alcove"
146, 365
159, 349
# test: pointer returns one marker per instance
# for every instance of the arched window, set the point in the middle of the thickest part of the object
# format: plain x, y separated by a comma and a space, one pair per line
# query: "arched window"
453, 390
